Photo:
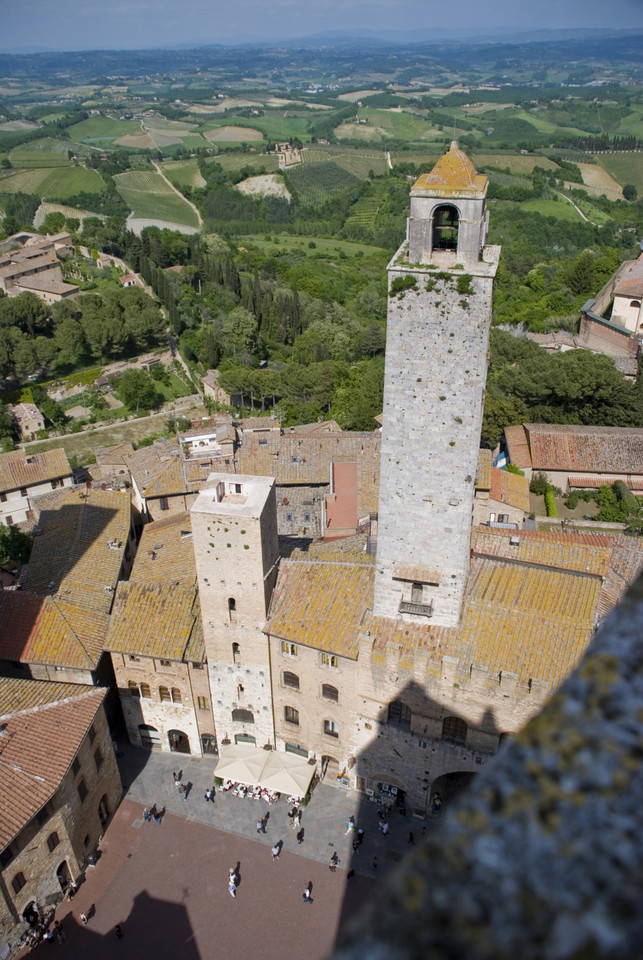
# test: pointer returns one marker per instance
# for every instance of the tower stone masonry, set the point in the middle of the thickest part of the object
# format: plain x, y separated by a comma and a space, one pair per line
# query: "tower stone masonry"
234, 530
439, 315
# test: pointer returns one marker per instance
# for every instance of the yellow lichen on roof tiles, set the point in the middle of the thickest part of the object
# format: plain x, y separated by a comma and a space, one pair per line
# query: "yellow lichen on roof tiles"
79, 548
17, 694
321, 605
528, 621
483, 477
454, 173
19, 469
166, 552
583, 553
153, 620
45, 630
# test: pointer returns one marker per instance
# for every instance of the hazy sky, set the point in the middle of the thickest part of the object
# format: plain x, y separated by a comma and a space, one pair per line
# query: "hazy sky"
122, 24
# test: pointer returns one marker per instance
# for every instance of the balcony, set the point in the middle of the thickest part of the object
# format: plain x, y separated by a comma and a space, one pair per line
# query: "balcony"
418, 609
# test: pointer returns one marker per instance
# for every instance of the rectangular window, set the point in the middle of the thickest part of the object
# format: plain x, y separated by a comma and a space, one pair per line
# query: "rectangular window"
18, 882
291, 715
202, 703
288, 649
52, 841
9, 520
163, 503
197, 666
134, 659
330, 728
82, 791
3, 497
98, 758
329, 660
23, 492
165, 663
417, 591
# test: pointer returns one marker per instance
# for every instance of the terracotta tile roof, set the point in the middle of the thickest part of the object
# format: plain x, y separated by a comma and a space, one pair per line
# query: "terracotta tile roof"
79, 549
321, 605
585, 481
517, 446
37, 747
409, 639
585, 449
580, 552
314, 429
626, 565
20, 470
294, 459
50, 631
404, 571
510, 488
348, 549
453, 174
115, 454
528, 621
483, 478
156, 620
158, 471
18, 694
166, 552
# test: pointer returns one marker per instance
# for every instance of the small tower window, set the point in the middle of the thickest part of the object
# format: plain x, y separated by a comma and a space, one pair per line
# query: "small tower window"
445, 228
236, 653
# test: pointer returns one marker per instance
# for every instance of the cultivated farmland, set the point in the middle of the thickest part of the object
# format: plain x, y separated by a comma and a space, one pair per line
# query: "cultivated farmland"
149, 197
183, 173
317, 182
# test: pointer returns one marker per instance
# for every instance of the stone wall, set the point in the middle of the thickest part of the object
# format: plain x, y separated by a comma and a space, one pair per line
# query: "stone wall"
436, 364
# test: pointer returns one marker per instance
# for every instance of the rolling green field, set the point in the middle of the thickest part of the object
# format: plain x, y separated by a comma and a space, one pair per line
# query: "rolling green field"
149, 197
103, 128
624, 167
273, 127
24, 181
519, 164
183, 173
402, 125
286, 242
58, 184
560, 209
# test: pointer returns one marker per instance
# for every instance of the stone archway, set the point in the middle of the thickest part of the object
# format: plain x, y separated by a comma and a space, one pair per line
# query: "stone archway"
179, 741
446, 220
447, 788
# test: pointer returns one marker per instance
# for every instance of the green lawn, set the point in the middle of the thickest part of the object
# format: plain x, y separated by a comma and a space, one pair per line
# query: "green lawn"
286, 242
402, 126
560, 209
148, 196
174, 389
624, 167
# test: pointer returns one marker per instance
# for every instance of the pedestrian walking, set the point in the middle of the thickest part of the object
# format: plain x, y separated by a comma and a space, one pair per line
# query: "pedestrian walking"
375, 863
350, 826
300, 836
232, 887
360, 836
209, 795
263, 822
334, 860
83, 919
156, 816
177, 782
259, 826
411, 839
276, 850
307, 893
355, 846
147, 816
385, 827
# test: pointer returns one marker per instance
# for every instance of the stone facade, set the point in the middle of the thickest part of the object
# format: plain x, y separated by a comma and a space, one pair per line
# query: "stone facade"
234, 525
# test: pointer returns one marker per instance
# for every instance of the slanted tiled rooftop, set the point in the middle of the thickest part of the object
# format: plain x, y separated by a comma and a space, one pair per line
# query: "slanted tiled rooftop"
510, 488
321, 605
37, 747
581, 552
115, 454
585, 449
79, 549
158, 471
528, 621
347, 549
16, 694
453, 174
483, 477
166, 553
50, 631
518, 447
157, 620
17, 469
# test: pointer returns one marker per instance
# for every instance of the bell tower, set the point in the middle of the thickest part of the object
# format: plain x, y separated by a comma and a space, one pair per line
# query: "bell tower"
439, 315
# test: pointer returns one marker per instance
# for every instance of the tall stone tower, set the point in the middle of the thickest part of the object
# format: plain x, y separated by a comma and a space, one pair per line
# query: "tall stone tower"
234, 530
440, 296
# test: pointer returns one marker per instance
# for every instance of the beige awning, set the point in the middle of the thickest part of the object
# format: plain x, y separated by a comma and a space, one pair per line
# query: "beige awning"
271, 769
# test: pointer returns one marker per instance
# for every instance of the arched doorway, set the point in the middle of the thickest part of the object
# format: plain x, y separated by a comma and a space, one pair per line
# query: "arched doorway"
149, 736
63, 874
209, 743
448, 787
103, 810
178, 741
445, 227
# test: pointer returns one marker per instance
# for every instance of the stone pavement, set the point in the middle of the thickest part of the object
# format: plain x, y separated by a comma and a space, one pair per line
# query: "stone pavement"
148, 779
167, 885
